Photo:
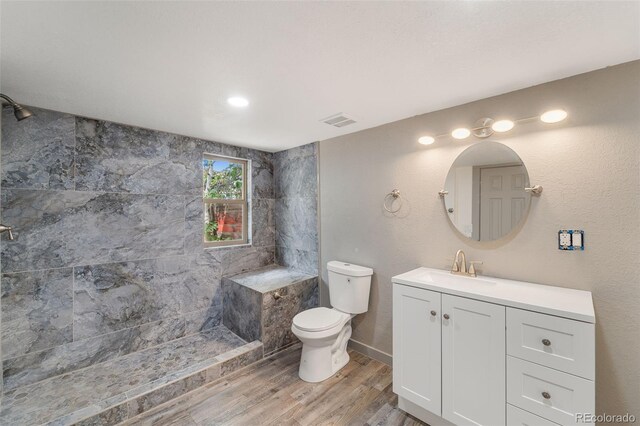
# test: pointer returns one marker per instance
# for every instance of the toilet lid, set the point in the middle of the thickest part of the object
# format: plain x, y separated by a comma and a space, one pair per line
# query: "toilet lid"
318, 319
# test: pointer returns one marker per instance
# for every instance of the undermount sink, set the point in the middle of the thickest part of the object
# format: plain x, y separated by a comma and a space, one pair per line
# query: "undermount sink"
449, 278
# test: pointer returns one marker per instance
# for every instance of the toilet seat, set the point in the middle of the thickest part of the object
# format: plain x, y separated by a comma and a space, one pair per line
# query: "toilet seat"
319, 319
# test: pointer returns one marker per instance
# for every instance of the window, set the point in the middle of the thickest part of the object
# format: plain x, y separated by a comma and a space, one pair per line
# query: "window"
224, 184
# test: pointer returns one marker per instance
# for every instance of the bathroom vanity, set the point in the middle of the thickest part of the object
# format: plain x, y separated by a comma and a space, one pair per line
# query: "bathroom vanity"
491, 351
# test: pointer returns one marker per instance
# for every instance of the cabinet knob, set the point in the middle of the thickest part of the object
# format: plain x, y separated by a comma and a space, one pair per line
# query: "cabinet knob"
446, 316
546, 395
546, 342
433, 313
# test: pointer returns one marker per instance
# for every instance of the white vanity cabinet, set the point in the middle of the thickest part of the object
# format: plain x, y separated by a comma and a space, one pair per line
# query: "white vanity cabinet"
417, 337
473, 363
485, 351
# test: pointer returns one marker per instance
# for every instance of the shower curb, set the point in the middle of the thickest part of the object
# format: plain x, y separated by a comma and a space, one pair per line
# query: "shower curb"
136, 401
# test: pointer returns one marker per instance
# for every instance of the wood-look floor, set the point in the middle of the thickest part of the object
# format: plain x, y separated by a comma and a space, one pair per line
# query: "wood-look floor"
271, 393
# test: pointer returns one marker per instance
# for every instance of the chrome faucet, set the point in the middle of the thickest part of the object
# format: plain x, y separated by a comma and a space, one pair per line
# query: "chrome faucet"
4, 228
459, 266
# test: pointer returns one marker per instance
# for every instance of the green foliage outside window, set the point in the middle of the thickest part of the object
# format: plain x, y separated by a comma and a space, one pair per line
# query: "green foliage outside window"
222, 179
211, 231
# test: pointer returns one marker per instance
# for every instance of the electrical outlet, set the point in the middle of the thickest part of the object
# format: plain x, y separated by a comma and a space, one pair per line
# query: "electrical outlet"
564, 239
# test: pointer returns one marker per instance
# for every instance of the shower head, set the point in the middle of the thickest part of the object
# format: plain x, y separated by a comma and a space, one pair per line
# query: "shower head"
18, 110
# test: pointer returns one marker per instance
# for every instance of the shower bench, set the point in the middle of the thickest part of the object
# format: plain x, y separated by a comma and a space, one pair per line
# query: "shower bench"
260, 304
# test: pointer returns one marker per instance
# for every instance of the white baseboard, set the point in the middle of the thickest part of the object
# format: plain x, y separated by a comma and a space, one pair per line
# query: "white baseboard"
371, 352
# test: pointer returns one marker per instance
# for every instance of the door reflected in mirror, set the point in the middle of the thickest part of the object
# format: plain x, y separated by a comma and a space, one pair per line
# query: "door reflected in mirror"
486, 197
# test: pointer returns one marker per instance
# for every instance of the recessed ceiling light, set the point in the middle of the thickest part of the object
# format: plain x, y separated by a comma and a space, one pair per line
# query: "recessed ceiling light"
502, 125
238, 101
461, 133
553, 116
426, 140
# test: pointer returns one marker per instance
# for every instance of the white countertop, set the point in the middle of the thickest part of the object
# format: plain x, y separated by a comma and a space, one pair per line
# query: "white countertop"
562, 302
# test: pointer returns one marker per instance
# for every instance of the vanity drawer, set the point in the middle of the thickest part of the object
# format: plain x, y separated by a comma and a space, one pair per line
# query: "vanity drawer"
518, 417
549, 393
555, 342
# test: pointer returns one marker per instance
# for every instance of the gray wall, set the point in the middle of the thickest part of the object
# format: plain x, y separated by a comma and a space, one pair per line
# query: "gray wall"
296, 213
108, 257
589, 167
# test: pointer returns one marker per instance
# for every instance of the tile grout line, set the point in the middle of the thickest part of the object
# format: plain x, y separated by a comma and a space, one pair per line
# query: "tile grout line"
103, 192
229, 248
184, 253
73, 305
97, 264
75, 152
73, 269
184, 232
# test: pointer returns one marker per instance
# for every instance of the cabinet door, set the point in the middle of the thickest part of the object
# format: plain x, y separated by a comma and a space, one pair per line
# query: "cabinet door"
416, 346
473, 362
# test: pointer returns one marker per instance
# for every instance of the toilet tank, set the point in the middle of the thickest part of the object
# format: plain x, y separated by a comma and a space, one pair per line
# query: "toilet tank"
349, 287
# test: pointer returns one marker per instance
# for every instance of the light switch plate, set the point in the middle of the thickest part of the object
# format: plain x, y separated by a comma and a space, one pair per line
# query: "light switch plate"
571, 239
577, 239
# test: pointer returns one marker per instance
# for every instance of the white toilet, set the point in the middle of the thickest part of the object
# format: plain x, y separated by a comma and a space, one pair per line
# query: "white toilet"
325, 332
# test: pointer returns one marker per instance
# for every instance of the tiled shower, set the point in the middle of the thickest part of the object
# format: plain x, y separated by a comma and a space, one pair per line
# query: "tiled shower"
108, 259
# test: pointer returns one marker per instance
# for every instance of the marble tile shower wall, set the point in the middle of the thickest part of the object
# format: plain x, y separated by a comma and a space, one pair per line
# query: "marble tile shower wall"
296, 212
108, 257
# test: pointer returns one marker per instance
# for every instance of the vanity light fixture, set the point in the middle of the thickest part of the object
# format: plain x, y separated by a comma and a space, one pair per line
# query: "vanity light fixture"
238, 101
553, 116
461, 133
485, 127
426, 140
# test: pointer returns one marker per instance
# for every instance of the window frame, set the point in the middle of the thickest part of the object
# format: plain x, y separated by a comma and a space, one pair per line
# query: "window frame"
244, 201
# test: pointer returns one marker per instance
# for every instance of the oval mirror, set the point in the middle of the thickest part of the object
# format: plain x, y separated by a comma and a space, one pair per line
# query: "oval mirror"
486, 197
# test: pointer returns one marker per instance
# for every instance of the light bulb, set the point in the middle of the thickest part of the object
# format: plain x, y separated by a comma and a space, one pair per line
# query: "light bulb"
502, 125
553, 116
426, 140
461, 133
238, 101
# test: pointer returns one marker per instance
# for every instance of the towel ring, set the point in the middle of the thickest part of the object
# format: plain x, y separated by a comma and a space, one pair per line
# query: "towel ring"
395, 195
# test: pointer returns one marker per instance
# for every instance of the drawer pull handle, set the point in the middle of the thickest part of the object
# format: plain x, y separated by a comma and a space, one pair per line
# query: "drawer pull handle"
546, 395
433, 313
546, 342
446, 316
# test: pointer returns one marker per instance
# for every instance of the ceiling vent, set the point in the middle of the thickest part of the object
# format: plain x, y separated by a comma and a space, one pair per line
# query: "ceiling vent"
338, 120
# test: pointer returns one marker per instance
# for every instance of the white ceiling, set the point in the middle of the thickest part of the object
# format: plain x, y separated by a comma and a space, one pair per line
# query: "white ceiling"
171, 65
